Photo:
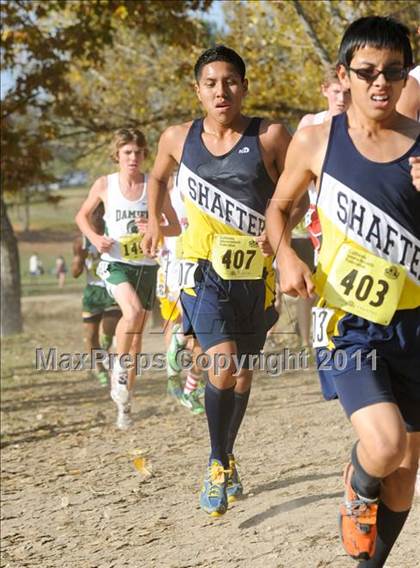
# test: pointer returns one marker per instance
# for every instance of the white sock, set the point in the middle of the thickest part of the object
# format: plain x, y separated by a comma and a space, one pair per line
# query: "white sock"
191, 383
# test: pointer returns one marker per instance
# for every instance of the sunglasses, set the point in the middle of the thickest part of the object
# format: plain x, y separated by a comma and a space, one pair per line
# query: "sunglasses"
391, 74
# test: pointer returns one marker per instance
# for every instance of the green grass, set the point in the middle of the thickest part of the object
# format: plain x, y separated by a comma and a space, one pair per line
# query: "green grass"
51, 218
51, 233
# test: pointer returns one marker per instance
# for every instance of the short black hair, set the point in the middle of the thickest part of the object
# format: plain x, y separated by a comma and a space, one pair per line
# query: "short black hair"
220, 53
378, 32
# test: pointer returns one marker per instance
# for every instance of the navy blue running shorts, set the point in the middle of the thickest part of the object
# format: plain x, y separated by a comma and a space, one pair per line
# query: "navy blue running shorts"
372, 363
226, 310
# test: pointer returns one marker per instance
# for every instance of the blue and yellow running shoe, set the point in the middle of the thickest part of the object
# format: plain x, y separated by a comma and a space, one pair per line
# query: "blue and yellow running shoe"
213, 498
234, 485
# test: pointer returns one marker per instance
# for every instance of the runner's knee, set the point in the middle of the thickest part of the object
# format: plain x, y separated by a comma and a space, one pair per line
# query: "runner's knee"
132, 316
387, 449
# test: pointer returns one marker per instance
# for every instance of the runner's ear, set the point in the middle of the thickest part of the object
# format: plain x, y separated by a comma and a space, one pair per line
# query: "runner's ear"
343, 75
197, 91
245, 86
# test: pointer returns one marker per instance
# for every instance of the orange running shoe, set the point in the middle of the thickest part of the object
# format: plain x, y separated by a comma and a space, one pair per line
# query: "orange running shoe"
357, 521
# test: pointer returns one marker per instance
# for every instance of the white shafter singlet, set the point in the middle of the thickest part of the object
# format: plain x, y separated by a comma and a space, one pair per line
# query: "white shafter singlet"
169, 243
169, 261
318, 118
300, 232
416, 73
120, 215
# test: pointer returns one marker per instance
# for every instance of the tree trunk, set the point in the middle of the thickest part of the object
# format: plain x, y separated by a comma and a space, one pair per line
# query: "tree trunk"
317, 45
26, 211
11, 314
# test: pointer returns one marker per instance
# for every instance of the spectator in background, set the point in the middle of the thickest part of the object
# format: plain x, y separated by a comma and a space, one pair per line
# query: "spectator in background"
35, 265
60, 270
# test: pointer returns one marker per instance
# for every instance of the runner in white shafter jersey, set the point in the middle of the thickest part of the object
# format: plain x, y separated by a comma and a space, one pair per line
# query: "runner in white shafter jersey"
168, 291
409, 102
129, 277
306, 239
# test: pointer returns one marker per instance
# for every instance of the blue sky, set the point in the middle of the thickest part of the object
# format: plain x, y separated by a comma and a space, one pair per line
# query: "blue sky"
215, 14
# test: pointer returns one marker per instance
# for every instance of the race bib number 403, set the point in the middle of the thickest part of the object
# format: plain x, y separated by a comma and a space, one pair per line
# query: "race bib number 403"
130, 247
364, 285
237, 257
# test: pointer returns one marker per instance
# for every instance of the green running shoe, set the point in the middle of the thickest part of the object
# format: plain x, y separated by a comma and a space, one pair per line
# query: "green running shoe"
175, 346
192, 402
213, 498
103, 378
105, 341
234, 485
174, 386
201, 389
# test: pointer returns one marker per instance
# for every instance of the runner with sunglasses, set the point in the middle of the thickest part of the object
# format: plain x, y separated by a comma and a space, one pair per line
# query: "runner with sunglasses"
367, 276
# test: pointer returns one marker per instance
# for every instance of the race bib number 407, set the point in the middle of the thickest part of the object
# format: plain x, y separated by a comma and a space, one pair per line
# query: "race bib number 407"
237, 257
364, 285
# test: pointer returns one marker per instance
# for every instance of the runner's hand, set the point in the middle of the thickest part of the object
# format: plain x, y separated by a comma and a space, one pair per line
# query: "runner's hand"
141, 225
152, 239
264, 245
415, 171
103, 243
296, 278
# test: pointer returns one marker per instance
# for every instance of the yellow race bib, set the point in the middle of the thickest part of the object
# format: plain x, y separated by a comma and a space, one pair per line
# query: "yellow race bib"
364, 285
237, 257
130, 247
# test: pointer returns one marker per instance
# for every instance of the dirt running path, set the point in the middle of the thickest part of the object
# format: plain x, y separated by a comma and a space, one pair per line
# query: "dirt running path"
72, 497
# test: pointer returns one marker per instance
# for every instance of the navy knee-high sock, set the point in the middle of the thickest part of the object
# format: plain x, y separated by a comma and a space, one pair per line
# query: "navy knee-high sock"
389, 524
219, 408
239, 408
363, 483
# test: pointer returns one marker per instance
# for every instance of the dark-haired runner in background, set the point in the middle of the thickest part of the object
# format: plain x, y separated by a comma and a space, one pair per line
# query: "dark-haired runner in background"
100, 312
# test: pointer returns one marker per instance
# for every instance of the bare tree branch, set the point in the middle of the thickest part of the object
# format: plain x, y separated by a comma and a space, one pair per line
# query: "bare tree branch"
317, 45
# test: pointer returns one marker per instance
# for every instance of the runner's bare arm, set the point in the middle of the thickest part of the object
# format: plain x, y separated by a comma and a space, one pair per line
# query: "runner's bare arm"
79, 257
274, 139
295, 276
96, 195
168, 155
296, 215
306, 120
173, 228
415, 171
299, 210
